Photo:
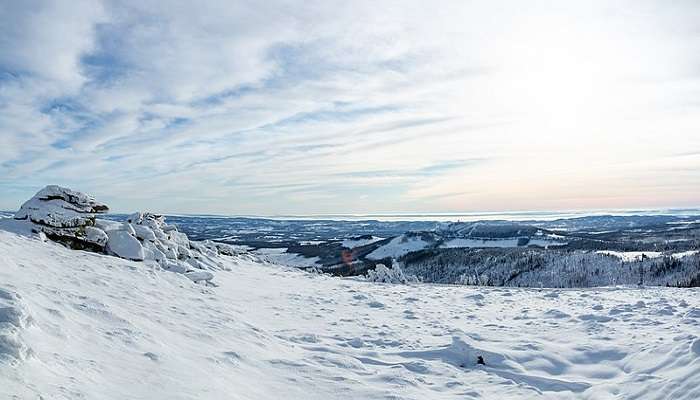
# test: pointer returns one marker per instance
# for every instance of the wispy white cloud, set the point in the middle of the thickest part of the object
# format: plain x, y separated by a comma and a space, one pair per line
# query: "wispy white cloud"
324, 106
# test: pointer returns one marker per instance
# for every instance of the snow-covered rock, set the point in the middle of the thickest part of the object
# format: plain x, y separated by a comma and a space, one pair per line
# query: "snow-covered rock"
68, 217
61, 207
144, 233
173, 251
96, 236
122, 244
135, 218
65, 216
107, 225
126, 227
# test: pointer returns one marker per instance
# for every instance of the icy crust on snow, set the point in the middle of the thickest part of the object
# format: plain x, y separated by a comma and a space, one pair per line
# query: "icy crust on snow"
108, 328
69, 217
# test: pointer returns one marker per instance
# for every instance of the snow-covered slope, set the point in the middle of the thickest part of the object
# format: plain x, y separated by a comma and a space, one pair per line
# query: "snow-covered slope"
359, 242
280, 256
75, 324
401, 245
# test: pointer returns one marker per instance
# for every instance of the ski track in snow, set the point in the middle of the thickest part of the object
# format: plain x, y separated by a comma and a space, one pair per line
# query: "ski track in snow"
77, 325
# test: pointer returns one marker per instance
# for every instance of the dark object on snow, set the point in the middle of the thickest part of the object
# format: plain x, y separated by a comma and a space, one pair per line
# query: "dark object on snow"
480, 360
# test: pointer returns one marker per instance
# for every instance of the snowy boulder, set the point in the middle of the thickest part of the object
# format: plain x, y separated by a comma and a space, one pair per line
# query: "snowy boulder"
64, 215
144, 233
168, 248
128, 228
183, 253
60, 207
179, 238
173, 250
152, 252
122, 244
96, 236
151, 220
135, 218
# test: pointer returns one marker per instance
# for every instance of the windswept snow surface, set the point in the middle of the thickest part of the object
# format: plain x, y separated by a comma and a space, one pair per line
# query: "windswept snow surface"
77, 325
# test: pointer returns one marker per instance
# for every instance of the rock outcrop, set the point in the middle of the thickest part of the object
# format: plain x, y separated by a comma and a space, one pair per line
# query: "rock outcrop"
65, 216
69, 217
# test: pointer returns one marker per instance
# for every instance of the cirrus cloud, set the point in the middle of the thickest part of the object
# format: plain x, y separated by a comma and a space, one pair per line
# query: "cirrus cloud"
292, 107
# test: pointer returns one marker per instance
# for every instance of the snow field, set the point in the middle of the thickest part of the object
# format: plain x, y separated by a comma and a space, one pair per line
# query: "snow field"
95, 326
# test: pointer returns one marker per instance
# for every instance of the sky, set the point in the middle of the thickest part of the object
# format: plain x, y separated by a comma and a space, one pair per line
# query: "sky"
311, 107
